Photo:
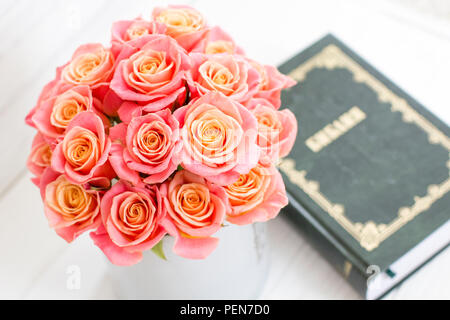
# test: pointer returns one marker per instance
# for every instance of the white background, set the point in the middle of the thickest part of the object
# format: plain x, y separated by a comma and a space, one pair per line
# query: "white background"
409, 41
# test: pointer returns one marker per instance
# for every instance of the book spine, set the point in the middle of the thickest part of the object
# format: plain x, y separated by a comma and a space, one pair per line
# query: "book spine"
346, 263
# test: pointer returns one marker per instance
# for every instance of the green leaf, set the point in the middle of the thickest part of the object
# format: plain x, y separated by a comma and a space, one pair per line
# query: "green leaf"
159, 251
179, 168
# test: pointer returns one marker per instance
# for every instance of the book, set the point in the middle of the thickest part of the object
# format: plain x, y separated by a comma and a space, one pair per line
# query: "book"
369, 176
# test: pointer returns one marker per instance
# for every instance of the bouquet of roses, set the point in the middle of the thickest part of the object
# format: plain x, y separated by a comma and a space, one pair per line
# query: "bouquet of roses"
171, 130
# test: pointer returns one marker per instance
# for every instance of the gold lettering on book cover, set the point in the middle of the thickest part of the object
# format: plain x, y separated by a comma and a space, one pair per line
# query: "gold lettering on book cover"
336, 129
369, 234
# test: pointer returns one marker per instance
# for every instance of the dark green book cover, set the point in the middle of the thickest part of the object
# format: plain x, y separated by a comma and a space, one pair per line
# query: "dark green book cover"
368, 176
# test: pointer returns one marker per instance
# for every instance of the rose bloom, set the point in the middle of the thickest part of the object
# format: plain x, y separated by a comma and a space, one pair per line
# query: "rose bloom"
83, 153
55, 114
91, 64
196, 210
257, 196
217, 41
149, 145
71, 209
219, 138
277, 130
49, 90
152, 73
127, 30
230, 75
183, 23
39, 158
131, 219
272, 83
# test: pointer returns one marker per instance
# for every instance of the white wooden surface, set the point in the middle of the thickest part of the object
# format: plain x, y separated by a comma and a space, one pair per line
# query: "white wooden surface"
409, 41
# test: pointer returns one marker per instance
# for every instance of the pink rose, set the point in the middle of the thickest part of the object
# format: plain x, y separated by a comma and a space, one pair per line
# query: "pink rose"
272, 82
196, 210
217, 41
219, 138
91, 64
185, 24
39, 158
148, 146
55, 114
257, 196
71, 209
155, 75
83, 153
230, 75
277, 130
131, 219
48, 91
128, 30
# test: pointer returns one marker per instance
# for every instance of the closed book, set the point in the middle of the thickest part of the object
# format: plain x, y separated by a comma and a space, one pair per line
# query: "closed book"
369, 176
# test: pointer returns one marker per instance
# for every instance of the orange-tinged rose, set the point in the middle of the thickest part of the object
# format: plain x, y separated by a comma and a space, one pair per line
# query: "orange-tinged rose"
125, 31
219, 46
277, 130
183, 23
152, 73
196, 209
230, 75
131, 219
192, 204
272, 83
91, 64
217, 41
66, 107
147, 148
71, 209
219, 138
137, 29
83, 153
56, 113
248, 192
257, 196
71, 201
39, 158
83, 150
